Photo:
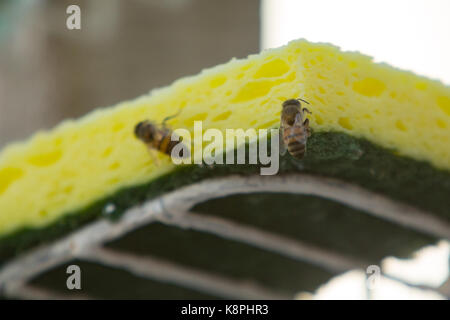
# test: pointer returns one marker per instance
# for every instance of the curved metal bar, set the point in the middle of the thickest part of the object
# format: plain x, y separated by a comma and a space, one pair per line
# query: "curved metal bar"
293, 249
163, 271
16, 273
332, 189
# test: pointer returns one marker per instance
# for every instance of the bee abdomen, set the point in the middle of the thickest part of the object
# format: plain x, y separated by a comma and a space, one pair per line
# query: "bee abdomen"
172, 145
168, 145
297, 149
295, 133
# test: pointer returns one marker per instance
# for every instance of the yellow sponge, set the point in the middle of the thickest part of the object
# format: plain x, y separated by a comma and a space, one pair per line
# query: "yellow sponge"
88, 159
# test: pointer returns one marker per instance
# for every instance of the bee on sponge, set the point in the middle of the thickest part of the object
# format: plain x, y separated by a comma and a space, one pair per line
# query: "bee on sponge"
159, 137
294, 128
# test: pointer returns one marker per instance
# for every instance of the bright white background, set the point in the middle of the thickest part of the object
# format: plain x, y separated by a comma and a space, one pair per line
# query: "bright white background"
409, 34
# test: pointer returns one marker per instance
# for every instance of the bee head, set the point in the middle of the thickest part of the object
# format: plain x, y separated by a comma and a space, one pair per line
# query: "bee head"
144, 130
291, 102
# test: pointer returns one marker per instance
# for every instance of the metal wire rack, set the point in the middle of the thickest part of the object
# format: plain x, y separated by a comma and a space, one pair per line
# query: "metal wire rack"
173, 209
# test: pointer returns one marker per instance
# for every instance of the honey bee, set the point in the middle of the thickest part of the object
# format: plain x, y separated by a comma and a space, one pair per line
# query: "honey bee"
294, 128
158, 137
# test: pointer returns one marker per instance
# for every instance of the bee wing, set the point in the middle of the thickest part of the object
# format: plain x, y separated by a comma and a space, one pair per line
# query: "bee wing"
298, 120
153, 154
281, 144
292, 130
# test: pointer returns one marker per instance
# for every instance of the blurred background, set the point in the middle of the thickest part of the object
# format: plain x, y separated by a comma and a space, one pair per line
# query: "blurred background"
123, 49
127, 47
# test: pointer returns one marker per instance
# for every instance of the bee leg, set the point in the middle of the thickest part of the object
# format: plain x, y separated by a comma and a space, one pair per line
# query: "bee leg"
281, 145
207, 166
308, 129
154, 157
306, 110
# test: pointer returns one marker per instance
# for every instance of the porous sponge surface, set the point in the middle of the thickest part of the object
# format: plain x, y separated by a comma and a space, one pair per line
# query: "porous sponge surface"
85, 160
